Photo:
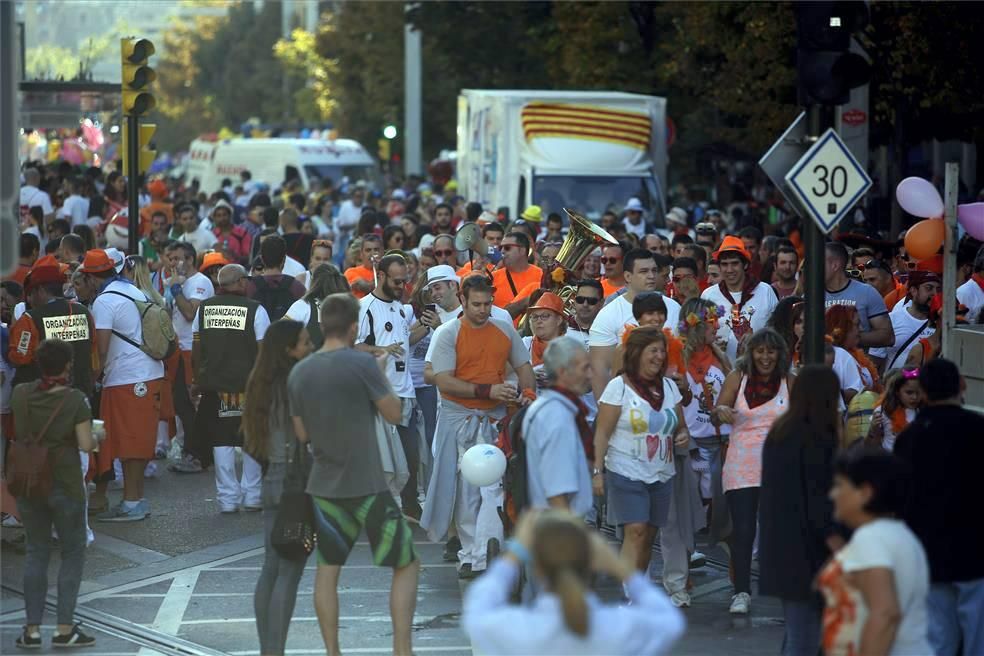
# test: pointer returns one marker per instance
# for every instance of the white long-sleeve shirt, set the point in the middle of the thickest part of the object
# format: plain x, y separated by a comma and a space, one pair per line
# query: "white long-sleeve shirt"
650, 625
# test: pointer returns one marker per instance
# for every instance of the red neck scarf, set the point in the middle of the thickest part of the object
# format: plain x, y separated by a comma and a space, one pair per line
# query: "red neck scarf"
47, 382
700, 363
747, 291
653, 397
537, 348
760, 390
979, 279
583, 428
899, 420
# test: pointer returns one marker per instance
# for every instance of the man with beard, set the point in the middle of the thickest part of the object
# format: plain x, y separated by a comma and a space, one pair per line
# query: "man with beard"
385, 328
910, 323
515, 274
442, 219
787, 264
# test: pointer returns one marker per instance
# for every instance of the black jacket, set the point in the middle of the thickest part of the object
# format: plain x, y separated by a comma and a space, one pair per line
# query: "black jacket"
944, 449
795, 514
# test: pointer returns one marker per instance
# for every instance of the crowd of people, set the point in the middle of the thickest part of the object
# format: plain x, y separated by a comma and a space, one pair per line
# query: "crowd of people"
341, 340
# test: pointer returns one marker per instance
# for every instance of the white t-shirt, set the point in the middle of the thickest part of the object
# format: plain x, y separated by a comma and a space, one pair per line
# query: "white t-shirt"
196, 288
390, 325
971, 295
904, 325
76, 209
348, 216
292, 267
31, 196
261, 322
201, 239
610, 324
757, 312
641, 446
299, 311
698, 413
846, 368
125, 364
883, 543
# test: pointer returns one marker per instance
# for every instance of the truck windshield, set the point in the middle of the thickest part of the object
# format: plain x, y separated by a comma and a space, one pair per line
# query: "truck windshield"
335, 173
591, 196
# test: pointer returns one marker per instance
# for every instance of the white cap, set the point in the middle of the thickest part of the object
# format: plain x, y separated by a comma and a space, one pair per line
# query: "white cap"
634, 205
441, 273
116, 255
486, 218
398, 194
677, 215
426, 241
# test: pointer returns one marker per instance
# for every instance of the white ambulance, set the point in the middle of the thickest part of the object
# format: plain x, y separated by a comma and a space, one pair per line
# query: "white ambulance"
275, 161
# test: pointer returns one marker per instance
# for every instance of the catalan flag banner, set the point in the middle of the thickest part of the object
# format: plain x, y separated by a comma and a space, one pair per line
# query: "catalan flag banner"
594, 123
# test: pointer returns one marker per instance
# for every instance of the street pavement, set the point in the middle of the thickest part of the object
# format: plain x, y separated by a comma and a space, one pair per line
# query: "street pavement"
182, 581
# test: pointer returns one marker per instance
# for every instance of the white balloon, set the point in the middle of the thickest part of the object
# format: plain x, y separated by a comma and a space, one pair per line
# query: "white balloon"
483, 464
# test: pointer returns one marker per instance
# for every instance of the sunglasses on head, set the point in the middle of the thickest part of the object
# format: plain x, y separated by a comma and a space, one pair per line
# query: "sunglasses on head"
322, 243
876, 264
590, 300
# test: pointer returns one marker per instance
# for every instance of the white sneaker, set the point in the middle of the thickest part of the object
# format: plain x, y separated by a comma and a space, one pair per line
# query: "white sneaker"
740, 603
680, 599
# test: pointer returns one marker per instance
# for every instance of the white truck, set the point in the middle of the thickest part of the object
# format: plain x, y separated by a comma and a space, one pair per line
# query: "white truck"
586, 150
275, 160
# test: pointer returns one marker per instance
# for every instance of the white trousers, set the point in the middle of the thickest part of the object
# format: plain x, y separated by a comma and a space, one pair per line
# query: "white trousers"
476, 518
232, 490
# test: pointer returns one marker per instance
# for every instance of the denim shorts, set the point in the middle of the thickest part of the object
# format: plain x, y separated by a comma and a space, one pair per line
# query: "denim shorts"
635, 502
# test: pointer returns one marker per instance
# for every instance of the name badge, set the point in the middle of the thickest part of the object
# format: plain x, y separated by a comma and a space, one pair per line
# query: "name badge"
228, 317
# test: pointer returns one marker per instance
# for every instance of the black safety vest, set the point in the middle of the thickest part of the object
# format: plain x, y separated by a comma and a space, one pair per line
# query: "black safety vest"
70, 322
226, 342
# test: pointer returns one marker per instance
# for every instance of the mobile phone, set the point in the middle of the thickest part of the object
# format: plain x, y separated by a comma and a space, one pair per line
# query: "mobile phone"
431, 307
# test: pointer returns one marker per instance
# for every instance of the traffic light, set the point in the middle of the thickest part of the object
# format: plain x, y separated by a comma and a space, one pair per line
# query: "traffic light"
147, 153
826, 69
137, 76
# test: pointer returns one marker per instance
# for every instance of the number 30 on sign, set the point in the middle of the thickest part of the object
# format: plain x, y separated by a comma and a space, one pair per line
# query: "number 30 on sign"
827, 182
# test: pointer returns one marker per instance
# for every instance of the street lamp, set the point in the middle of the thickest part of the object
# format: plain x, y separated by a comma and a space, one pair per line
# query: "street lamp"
389, 132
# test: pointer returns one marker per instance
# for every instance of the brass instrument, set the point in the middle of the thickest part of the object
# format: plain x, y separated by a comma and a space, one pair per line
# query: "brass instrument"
582, 238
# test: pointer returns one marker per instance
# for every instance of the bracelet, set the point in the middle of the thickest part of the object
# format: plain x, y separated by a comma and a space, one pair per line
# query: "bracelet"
515, 548
483, 391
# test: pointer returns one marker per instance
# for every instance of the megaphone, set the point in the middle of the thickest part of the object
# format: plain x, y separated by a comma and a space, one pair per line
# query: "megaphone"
469, 238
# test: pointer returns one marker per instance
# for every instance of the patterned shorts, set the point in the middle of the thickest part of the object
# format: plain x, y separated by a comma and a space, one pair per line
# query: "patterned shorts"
339, 522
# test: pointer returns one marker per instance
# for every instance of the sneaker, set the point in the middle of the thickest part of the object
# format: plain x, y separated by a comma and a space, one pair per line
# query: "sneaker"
680, 599
9, 521
150, 471
228, 510
75, 638
187, 465
451, 550
160, 453
122, 513
253, 508
28, 640
697, 559
740, 603
466, 573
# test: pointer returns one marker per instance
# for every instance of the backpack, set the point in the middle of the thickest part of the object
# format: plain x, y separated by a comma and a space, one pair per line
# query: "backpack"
27, 470
276, 298
159, 338
515, 482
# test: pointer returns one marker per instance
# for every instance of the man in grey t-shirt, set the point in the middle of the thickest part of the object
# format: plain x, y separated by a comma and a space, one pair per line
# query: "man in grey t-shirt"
334, 396
876, 327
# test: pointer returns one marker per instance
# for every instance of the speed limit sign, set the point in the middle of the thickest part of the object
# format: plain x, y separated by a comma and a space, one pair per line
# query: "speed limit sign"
828, 181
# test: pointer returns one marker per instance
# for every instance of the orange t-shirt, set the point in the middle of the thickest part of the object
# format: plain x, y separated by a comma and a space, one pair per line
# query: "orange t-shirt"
609, 288
674, 352
477, 355
894, 296
357, 273
19, 274
504, 294
466, 268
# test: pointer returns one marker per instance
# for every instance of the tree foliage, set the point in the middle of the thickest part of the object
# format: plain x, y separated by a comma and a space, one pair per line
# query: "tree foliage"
48, 61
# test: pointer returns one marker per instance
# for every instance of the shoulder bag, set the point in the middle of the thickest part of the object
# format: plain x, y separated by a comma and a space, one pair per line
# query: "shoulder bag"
293, 529
28, 470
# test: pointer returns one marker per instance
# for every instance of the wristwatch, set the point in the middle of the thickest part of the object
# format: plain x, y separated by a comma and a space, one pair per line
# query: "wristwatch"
597, 472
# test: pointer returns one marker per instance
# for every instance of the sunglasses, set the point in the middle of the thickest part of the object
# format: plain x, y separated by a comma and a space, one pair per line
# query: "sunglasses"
611, 260
505, 248
444, 253
854, 274
541, 316
590, 300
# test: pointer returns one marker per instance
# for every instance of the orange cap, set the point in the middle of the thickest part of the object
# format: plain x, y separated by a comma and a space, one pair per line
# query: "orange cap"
732, 244
550, 301
934, 264
97, 261
212, 260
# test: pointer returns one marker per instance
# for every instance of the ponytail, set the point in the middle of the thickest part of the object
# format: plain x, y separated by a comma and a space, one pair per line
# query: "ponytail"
568, 587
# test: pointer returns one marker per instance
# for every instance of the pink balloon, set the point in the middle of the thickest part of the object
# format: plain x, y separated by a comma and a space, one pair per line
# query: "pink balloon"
971, 217
919, 198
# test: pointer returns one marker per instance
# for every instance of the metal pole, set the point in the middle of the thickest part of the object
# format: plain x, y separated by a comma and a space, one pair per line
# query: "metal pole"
133, 182
951, 241
9, 123
412, 124
819, 118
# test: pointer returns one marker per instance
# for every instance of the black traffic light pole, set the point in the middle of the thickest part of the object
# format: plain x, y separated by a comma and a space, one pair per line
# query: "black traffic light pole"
133, 182
819, 119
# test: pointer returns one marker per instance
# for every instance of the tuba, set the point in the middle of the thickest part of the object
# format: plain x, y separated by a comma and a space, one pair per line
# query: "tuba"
582, 238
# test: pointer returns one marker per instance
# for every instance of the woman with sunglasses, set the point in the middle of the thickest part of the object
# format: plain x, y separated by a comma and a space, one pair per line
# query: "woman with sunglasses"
754, 395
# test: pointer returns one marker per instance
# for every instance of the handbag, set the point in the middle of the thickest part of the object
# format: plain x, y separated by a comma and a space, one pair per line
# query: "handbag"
28, 471
293, 533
